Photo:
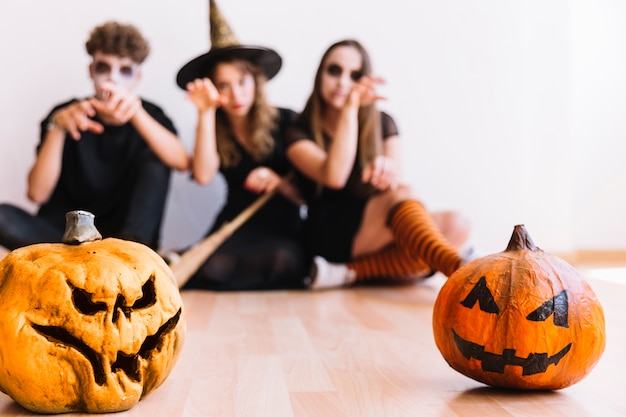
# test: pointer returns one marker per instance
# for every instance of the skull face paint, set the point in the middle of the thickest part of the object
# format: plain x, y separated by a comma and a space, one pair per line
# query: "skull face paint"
107, 71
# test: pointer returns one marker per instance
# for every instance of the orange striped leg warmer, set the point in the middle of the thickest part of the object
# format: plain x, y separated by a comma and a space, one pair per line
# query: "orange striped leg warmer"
391, 262
415, 231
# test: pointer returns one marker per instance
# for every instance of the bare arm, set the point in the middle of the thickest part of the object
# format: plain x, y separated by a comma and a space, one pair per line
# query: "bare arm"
392, 149
331, 169
74, 118
121, 107
46, 170
206, 162
161, 141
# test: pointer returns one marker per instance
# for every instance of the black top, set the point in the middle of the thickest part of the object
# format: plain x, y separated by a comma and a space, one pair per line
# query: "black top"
97, 170
334, 215
264, 252
278, 216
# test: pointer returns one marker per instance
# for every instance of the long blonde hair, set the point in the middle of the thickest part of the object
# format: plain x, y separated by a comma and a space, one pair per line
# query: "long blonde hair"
262, 118
370, 133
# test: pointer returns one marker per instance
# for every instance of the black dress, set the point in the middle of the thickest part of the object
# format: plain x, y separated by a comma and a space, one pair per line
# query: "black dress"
334, 216
265, 252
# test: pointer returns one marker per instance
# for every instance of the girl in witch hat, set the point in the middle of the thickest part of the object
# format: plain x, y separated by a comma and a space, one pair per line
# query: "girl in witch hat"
362, 217
240, 136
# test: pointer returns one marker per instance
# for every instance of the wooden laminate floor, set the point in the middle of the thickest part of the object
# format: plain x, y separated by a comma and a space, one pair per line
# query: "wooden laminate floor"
356, 352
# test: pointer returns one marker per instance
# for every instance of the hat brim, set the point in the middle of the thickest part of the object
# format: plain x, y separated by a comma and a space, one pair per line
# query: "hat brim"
199, 67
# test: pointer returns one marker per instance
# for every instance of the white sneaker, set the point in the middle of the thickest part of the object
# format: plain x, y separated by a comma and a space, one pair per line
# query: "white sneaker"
328, 275
170, 257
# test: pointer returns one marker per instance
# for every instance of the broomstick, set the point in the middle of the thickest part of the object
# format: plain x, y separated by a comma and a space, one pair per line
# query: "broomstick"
193, 258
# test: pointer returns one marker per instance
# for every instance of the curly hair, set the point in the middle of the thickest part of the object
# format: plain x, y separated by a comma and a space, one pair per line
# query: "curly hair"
115, 38
262, 117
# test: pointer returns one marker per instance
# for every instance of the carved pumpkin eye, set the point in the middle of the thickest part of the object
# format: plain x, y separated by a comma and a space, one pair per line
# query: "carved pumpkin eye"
557, 305
481, 294
148, 298
83, 301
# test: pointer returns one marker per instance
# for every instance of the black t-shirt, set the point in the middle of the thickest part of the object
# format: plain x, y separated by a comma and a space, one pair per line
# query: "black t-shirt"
278, 216
97, 170
334, 215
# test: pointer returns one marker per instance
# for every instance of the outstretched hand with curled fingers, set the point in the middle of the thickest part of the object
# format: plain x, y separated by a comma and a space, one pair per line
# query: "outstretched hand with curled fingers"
364, 91
76, 118
204, 95
117, 105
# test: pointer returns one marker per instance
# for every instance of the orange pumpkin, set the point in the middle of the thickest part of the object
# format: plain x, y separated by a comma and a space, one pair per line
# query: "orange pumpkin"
521, 318
88, 325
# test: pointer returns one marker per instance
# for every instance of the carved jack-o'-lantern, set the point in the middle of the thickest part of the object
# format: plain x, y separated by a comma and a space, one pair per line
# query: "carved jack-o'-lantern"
520, 319
86, 326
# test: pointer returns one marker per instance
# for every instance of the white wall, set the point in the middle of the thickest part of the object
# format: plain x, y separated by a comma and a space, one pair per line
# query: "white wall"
511, 110
599, 128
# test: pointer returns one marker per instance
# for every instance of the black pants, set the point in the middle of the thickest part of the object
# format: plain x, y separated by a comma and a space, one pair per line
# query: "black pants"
19, 228
138, 219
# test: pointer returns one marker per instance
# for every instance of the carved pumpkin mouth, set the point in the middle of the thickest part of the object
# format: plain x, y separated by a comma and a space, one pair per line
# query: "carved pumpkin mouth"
534, 363
129, 364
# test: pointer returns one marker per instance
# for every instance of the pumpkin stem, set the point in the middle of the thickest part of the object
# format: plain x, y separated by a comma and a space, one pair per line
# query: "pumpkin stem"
80, 228
520, 240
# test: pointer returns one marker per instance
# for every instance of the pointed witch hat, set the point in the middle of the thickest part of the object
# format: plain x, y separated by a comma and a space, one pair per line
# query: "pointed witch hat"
224, 45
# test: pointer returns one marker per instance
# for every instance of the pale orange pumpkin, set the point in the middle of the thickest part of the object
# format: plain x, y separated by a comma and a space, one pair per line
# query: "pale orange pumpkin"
87, 326
521, 318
